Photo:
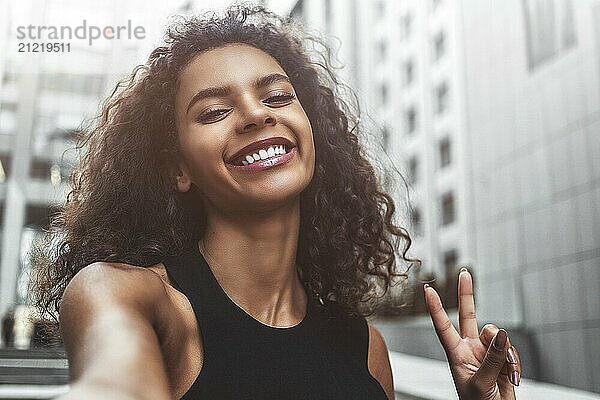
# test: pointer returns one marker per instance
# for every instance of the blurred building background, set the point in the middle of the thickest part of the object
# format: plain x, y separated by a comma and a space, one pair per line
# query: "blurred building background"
44, 100
491, 110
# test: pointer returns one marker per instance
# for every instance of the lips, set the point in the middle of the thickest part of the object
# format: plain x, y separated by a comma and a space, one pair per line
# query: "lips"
261, 144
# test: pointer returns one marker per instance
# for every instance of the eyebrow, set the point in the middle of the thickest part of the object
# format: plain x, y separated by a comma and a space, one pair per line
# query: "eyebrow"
225, 90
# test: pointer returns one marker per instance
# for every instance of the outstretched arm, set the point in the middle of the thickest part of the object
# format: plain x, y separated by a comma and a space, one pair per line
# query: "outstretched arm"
107, 319
484, 365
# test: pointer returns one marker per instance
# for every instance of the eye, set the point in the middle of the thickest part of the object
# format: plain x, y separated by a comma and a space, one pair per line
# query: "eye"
212, 115
280, 99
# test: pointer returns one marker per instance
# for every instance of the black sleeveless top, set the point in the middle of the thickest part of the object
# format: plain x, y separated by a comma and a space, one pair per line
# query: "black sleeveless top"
322, 357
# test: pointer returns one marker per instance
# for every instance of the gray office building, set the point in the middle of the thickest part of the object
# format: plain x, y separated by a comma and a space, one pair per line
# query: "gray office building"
493, 111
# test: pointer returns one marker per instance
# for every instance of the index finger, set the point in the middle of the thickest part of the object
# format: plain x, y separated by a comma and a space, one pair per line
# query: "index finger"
446, 332
467, 320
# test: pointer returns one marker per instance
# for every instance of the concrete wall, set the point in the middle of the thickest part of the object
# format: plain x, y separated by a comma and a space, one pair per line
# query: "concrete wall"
535, 144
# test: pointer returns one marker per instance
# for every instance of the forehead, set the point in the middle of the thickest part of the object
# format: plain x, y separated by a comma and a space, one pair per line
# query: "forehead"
235, 64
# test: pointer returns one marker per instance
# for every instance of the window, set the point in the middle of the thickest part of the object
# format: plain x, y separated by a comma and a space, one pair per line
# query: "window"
413, 170
447, 201
405, 25
409, 71
380, 9
73, 83
550, 27
5, 160
450, 261
411, 120
40, 169
385, 137
381, 50
415, 220
328, 15
38, 216
9, 77
9, 106
444, 152
439, 46
383, 94
441, 98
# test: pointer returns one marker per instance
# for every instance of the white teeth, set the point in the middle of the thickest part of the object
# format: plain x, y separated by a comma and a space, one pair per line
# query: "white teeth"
263, 154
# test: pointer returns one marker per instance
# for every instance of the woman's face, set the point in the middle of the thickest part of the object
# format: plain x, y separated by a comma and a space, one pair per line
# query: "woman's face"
230, 98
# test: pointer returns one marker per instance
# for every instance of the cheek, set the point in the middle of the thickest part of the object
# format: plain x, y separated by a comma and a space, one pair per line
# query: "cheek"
305, 126
309, 138
300, 124
205, 140
203, 156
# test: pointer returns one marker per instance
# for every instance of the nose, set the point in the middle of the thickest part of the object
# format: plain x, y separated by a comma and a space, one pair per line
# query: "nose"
256, 116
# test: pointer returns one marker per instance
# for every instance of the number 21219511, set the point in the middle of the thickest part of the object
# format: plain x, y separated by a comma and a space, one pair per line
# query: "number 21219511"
44, 47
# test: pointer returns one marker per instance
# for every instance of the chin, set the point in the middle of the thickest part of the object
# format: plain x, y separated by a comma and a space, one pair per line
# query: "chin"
274, 196
274, 200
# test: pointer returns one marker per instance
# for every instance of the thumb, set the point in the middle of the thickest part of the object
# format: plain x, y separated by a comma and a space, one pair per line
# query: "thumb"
486, 376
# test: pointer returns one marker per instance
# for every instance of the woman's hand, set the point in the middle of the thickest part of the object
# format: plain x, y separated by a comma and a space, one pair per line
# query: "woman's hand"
484, 365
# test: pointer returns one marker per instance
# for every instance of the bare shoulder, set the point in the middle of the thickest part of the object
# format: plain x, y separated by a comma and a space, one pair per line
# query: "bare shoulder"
109, 315
110, 289
102, 279
104, 289
379, 362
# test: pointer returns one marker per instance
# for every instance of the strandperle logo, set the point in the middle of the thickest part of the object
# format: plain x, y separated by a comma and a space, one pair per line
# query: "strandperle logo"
82, 32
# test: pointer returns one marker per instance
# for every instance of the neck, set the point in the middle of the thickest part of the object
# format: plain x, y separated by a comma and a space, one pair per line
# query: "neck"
253, 258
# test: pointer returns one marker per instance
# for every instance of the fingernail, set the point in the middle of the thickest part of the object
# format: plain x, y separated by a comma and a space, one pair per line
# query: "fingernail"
511, 357
500, 340
515, 378
463, 269
425, 286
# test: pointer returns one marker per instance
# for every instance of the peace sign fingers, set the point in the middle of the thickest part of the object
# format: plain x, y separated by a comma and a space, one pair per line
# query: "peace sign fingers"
467, 321
449, 337
483, 365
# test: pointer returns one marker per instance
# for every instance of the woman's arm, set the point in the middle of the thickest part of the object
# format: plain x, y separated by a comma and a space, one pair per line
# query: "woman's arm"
108, 316
379, 362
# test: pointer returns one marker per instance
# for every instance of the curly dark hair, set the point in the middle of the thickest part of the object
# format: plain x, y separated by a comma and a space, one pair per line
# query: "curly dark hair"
124, 205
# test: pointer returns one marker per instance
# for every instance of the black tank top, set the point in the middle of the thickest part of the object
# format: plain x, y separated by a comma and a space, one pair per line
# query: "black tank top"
322, 357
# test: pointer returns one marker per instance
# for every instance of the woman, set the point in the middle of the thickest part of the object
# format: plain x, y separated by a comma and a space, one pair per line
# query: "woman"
225, 236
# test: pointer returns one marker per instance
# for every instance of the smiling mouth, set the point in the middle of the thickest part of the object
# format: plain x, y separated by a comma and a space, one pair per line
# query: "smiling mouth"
262, 154
261, 150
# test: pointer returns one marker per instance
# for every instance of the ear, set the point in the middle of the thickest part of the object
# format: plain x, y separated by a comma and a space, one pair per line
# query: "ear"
184, 182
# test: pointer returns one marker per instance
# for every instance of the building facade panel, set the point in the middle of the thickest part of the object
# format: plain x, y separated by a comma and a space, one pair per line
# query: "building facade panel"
514, 86
546, 154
